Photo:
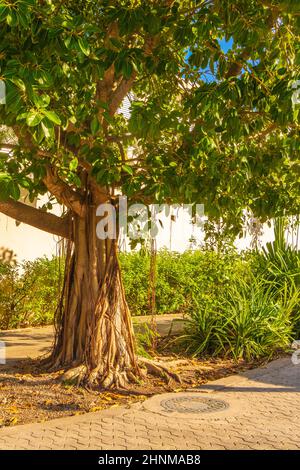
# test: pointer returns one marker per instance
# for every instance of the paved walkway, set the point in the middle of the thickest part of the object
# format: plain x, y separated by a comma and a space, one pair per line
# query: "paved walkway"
262, 412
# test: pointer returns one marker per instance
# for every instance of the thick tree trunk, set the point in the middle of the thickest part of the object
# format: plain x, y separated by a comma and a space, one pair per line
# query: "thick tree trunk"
94, 337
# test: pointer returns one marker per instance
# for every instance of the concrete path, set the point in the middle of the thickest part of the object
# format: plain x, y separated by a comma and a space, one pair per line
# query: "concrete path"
256, 410
33, 342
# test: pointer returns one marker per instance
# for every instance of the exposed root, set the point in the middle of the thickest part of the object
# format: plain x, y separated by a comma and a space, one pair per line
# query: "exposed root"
114, 379
158, 370
75, 376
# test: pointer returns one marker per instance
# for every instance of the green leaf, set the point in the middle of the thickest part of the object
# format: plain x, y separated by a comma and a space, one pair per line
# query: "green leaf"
116, 43
95, 126
4, 177
18, 82
128, 169
73, 164
84, 46
41, 101
68, 41
76, 180
108, 118
52, 116
46, 128
14, 190
127, 69
33, 118
5, 181
11, 18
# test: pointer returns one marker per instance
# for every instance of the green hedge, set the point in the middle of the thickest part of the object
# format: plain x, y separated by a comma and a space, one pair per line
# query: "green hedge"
29, 293
180, 278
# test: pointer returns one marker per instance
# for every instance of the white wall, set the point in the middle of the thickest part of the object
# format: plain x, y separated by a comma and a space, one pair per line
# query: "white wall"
28, 243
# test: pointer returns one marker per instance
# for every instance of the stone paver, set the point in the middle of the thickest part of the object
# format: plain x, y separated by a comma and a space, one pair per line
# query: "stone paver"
263, 413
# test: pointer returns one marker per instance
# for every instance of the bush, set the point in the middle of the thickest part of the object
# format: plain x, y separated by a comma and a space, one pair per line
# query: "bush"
278, 265
10, 295
44, 276
182, 279
135, 271
29, 293
246, 321
259, 310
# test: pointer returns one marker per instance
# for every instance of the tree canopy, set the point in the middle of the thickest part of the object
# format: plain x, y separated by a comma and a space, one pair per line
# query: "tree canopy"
212, 115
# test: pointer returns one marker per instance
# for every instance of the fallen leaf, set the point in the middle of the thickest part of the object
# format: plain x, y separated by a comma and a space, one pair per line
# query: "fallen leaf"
96, 408
13, 420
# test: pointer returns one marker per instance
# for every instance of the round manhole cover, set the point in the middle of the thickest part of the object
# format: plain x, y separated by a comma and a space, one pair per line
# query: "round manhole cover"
193, 404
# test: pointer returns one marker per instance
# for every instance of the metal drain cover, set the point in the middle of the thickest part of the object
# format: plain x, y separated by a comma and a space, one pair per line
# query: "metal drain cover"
193, 404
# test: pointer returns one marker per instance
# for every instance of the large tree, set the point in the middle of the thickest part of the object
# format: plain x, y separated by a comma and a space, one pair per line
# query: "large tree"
212, 120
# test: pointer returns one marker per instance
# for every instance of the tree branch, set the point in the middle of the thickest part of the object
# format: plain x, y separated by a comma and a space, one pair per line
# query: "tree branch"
36, 218
236, 67
63, 193
120, 93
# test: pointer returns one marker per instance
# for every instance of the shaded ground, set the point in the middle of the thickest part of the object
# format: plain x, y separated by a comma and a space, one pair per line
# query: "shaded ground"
28, 394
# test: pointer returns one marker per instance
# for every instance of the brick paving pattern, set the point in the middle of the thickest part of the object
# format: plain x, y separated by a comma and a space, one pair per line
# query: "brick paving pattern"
263, 413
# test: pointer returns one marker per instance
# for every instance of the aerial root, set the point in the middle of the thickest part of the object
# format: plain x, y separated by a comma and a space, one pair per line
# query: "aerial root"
158, 370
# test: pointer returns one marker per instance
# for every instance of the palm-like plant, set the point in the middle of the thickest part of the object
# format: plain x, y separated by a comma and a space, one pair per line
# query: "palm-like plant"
249, 321
279, 261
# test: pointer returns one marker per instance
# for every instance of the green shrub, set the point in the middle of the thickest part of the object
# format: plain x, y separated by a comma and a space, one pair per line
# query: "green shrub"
247, 321
135, 271
278, 265
45, 279
278, 262
11, 295
182, 278
29, 293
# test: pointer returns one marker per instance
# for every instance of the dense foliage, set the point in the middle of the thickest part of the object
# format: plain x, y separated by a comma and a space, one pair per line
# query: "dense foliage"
181, 278
246, 321
29, 293
257, 314
211, 86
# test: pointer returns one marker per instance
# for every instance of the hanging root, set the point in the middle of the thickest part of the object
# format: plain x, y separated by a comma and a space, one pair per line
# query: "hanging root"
158, 370
94, 334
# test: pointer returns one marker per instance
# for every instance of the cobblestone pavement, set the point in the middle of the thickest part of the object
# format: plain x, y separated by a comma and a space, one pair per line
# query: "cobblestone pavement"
263, 413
